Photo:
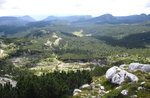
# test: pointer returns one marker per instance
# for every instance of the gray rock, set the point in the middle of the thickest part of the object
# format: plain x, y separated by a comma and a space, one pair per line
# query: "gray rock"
133, 96
119, 87
117, 75
4, 80
143, 83
102, 87
97, 85
138, 66
124, 92
139, 88
101, 92
132, 77
85, 86
1, 51
76, 92
111, 72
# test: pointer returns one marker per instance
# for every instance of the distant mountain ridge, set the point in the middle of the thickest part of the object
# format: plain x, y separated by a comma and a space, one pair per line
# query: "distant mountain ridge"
27, 18
12, 20
106, 18
103, 19
134, 18
68, 18
110, 19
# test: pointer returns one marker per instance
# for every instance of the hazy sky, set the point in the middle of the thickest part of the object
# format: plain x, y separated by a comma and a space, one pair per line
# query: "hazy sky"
74, 7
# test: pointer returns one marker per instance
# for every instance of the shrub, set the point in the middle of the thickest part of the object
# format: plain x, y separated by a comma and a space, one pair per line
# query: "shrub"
99, 70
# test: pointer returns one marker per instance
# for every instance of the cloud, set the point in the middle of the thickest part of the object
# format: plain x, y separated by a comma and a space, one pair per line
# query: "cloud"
1, 3
74, 7
148, 4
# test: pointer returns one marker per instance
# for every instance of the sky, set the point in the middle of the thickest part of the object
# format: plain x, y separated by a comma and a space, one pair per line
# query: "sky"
41, 8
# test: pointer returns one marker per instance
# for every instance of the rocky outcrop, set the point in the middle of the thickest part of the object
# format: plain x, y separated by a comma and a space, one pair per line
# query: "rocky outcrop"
119, 87
85, 86
124, 92
86, 91
143, 83
76, 92
139, 88
138, 66
1, 51
56, 42
48, 43
4, 80
54, 35
117, 75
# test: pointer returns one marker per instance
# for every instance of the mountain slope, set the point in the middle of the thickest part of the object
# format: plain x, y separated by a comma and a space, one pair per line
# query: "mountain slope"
68, 18
27, 18
11, 20
109, 19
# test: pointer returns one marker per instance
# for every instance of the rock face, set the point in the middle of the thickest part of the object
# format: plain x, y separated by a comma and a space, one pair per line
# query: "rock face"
137, 66
48, 43
124, 92
117, 75
3, 81
56, 42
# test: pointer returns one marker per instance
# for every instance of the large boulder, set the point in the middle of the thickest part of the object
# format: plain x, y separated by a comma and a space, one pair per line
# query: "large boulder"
138, 66
117, 75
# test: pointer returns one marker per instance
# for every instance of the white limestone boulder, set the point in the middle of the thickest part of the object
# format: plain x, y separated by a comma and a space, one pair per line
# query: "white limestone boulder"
138, 66
4, 80
139, 88
85, 86
119, 87
117, 75
76, 92
143, 83
124, 92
